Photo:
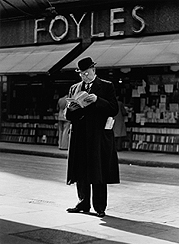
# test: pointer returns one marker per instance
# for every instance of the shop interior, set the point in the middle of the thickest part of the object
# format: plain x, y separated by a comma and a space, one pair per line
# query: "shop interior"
150, 93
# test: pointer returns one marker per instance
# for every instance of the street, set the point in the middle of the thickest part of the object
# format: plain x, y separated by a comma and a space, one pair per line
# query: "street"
33, 194
54, 169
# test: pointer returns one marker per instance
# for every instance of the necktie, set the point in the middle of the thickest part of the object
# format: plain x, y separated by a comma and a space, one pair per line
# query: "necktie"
88, 86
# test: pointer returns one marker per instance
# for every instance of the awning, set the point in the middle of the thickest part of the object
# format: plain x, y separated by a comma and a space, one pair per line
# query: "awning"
34, 59
146, 51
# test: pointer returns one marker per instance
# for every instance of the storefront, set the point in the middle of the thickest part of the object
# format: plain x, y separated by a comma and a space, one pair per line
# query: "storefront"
145, 73
135, 45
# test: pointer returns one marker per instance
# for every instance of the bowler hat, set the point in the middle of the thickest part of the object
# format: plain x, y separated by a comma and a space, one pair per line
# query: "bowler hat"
85, 64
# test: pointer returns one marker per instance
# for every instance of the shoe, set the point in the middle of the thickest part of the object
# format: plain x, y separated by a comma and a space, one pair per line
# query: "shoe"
100, 214
77, 210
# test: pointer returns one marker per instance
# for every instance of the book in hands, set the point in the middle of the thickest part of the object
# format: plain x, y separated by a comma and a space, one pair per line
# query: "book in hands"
79, 98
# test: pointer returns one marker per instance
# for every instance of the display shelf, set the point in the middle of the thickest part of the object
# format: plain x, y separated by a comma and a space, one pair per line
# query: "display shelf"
18, 138
18, 130
47, 140
32, 117
156, 147
126, 144
15, 131
155, 139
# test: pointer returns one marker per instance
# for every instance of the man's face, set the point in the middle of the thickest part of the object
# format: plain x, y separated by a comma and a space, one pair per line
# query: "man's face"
87, 75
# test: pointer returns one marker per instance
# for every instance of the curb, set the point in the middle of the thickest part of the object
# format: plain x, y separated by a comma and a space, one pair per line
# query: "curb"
35, 153
146, 163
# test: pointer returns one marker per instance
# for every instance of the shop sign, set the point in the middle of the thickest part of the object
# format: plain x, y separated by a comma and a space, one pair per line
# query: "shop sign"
60, 22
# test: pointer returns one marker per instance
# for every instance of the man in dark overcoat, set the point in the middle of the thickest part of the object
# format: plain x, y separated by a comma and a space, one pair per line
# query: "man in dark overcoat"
92, 156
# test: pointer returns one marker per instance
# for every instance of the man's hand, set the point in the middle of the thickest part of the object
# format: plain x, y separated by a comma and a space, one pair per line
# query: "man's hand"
91, 98
73, 106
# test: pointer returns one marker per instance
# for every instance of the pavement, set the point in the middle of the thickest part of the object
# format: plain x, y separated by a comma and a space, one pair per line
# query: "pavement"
125, 157
32, 210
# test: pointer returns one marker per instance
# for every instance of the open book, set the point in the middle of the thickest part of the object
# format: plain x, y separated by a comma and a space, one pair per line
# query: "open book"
79, 98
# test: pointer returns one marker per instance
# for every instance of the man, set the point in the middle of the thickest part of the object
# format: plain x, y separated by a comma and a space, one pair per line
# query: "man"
119, 126
92, 156
63, 125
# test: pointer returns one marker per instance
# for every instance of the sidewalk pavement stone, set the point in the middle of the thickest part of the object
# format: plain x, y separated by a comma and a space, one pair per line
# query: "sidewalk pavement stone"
137, 214
33, 211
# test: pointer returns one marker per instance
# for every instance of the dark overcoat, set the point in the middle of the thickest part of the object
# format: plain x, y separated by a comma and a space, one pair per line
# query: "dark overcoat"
92, 153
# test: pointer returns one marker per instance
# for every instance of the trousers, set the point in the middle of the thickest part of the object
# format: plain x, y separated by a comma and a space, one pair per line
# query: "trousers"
99, 196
